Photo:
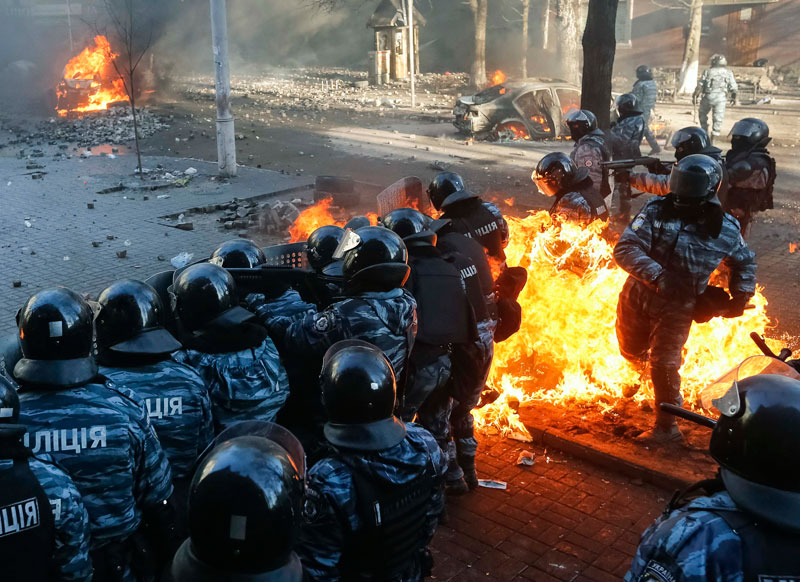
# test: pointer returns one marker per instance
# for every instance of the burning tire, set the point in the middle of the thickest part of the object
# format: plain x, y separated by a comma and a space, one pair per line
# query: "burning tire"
510, 130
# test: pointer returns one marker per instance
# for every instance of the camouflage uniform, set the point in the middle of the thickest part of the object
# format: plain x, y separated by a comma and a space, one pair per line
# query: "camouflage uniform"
713, 88
658, 184
249, 384
385, 319
646, 93
589, 152
626, 139
574, 207
71, 553
691, 544
656, 325
331, 509
178, 406
752, 192
103, 438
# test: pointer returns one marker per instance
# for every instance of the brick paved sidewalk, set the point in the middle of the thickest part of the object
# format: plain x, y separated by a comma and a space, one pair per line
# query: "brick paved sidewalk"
562, 520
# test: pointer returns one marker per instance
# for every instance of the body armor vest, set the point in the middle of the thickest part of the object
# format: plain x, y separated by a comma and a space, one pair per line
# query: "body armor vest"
443, 312
762, 200
769, 554
392, 518
471, 218
469, 257
27, 528
592, 198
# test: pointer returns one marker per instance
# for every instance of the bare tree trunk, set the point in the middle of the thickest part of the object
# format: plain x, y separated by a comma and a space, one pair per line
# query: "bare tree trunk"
526, 10
691, 52
599, 47
546, 26
479, 13
136, 134
567, 28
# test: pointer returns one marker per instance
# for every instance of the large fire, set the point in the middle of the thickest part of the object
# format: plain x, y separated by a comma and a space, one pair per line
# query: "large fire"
566, 350
91, 83
318, 215
498, 77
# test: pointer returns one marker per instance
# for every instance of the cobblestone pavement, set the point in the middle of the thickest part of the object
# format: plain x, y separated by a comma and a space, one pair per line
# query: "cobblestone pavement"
48, 229
560, 520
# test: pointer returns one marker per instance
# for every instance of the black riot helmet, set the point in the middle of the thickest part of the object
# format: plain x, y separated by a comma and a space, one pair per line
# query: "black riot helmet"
719, 61
205, 296
690, 140
9, 402
322, 244
410, 225
556, 172
627, 105
695, 180
748, 133
245, 504
55, 334
443, 185
580, 123
757, 444
357, 222
238, 254
358, 393
373, 259
644, 73
130, 320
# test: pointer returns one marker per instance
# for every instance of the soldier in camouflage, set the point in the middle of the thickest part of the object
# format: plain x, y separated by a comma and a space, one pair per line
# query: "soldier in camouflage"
646, 92
226, 346
715, 89
590, 148
373, 504
100, 433
52, 543
744, 524
669, 251
134, 351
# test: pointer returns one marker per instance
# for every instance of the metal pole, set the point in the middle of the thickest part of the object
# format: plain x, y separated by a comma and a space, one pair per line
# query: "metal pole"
226, 136
412, 53
69, 26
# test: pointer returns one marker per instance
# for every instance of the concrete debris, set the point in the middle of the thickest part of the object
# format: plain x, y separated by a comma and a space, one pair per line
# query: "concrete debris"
185, 226
490, 484
122, 254
181, 260
526, 458
190, 171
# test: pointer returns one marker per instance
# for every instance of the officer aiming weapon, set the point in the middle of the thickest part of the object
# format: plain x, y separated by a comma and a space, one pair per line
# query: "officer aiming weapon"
622, 169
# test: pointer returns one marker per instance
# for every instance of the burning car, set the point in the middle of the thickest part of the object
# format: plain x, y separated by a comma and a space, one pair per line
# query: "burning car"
527, 109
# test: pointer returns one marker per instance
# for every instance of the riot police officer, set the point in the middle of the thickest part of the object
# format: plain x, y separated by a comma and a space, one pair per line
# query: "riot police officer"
470, 215
446, 331
372, 505
557, 176
471, 365
375, 307
226, 345
51, 540
646, 92
321, 245
98, 432
244, 509
590, 148
751, 169
714, 89
134, 351
686, 141
745, 523
669, 251
357, 222
626, 138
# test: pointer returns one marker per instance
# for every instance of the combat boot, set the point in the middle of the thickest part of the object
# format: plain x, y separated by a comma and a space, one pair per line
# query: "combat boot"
661, 436
467, 464
456, 486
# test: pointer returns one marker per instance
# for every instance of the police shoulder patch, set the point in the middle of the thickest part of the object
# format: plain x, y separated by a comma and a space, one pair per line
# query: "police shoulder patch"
637, 222
657, 572
324, 321
311, 506
588, 163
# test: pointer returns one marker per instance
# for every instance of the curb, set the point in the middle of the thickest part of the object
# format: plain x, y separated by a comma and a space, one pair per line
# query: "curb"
553, 439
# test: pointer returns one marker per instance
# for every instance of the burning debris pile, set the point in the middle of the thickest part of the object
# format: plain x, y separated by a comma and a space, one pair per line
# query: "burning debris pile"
113, 126
566, 351
90, 83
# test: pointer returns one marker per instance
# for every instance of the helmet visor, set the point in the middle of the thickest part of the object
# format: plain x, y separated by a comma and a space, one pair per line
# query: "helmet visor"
546, 184
746, 128
349, 241
722, 395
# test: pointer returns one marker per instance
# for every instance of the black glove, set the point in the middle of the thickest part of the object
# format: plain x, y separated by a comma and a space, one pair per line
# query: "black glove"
713, 302
794, 364
733, 98
694, 99
736, 306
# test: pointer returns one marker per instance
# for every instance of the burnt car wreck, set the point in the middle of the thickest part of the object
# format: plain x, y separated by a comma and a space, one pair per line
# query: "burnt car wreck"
530, 109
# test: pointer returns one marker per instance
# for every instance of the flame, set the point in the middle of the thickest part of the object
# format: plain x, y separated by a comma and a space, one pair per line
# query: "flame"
311, 219
498, 77
545, 127
93, 72
509, 202
512, 131
793, 246
566, 351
